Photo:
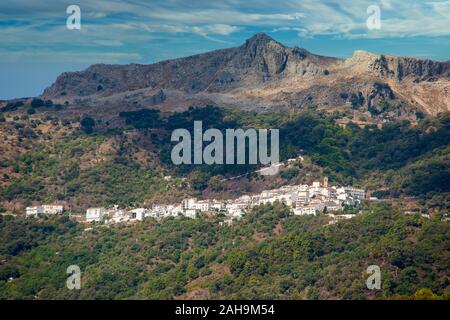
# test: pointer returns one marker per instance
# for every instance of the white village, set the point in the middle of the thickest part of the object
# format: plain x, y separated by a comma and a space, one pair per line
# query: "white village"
301, 199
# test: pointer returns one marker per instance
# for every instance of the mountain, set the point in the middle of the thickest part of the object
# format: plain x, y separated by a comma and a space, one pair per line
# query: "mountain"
263, 74
261, 59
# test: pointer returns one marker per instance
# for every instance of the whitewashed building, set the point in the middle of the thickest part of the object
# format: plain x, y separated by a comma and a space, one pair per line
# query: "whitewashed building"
33, 211
332, 206
218, 205
138, 213
119, 215
203, 205
52, 209
189, 203
308, 209
43, 209
338, 217
303, 194
190, 213
95, 214
176, 210
355, 193
236, 213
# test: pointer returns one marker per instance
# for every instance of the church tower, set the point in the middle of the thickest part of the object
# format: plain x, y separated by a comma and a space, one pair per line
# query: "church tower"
325, 182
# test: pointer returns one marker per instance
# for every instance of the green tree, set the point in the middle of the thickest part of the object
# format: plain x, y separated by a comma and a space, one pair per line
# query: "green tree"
87, 125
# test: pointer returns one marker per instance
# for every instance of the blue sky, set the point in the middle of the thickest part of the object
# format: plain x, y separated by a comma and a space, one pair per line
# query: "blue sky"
36, 46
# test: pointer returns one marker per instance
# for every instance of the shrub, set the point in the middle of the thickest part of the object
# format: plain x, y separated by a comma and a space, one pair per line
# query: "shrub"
36, 103
289, 173
357, 100
344, 95
87, 125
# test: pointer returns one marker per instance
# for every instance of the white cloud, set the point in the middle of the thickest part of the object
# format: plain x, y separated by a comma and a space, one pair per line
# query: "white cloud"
221, 29
73, 57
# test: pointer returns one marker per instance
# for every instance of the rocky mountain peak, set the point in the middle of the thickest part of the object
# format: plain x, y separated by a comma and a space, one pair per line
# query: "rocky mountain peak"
259, 39
261, 45
363, 56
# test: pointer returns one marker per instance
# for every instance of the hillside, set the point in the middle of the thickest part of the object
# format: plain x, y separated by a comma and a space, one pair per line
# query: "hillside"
49, 156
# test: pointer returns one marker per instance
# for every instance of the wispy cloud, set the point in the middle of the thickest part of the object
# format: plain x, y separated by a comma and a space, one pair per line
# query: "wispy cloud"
72, 56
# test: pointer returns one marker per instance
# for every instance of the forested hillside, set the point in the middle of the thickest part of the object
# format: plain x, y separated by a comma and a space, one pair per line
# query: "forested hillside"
84, 162
89, 162
269, 254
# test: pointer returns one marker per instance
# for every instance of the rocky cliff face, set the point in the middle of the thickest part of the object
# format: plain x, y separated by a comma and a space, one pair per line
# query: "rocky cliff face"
261, 74
388, 66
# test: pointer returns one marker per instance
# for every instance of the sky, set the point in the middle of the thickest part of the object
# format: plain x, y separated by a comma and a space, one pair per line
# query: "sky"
36, 45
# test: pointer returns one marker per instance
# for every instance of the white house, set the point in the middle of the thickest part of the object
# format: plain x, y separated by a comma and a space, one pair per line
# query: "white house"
33, 211
355, 193
52, 209
151, 213
236, 213
285, 198
190, 213
218, 205
332, 205
176, 210
309, 209
138, 213
165, 211
203, 205
332, 193
302, 197
315, 189
338, 217
189, 203
95, 214
119, 215
43, 209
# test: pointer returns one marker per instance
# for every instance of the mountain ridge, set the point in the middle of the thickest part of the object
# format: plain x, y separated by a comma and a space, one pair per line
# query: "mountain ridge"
260, 55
